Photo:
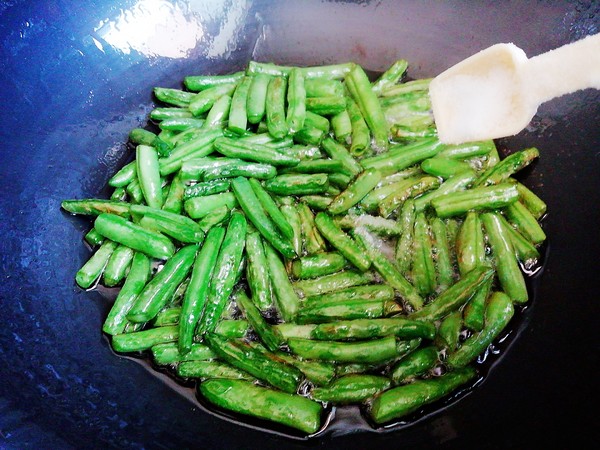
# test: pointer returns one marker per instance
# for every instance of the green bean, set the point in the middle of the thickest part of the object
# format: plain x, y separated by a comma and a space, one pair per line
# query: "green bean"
134, 236
525, 251
456, 183
196, 293
398, 402
507, 167
168, 353
175, 97
232, 328
474, 310
136, 279
199, 207
286, 299
351, 389
218, 114
212, 370
470, 244
355, 192
391, 76
181, 124
444, 167
415, 364
373, 328
174, 225
144, 340
342, 126
315, 166
117, 266
238, 119
341, 241
248, 170
532, 202
296, 100
169, 315
423, 266
372, 351
269, 205
162, 286
268, 335
360, 136
442, 253
525, 222
224, 276
360, 88
356, 308
95, 207
334, 71
404, 246
246, 398
204, 100
335, 150
142, 136
375, 224
408, 86
313, 120
467, 150
202, 82
372, 200
335, 289
320, 87
400, 157
410, 190
498, 312
449, 331
275, 107
206, 188
309, 136
326, 106
215, 217
174, 199
298, 184
455, 296
234, 148
166, 113
479, 198
93, 238
510, 276
292, 216
268, 140
313, 266
251, 360
253, 209
93, 268
257, 273
124, 176
334, 282
257, 94
198, 147
313, 241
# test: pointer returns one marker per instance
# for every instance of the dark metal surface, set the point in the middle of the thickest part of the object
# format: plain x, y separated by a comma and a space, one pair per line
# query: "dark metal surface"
77, 76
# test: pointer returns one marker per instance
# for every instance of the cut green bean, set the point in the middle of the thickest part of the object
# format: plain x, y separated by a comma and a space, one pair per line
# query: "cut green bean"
479, 198
162, 286
197, 290
423, 266
355, 192
257, 273
175, 97
256, 101
144, 340
212, 370
351, 389
313, 241
449, 331
442, 254
93, 268
400, 327
268, 335
327, 311
296, 100
218, 114
275, 107
360, 135
117, 266
474, 310
337, 151
510, 276
238, 115
95, 207
341, 241
470, 244
455, 296
246, 398
234, 148
204, 100
199, 207
202, 82
507, 167
498, 312
313, 266
400, 401
415, 364
164, 354
134, 236
174, 225
286, 299
370, 352
334, 289
93, 238
224, 276
334, 282
525, 222
404, 246
391, 76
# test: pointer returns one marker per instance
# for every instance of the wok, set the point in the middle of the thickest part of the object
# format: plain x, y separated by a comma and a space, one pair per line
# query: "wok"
77, 76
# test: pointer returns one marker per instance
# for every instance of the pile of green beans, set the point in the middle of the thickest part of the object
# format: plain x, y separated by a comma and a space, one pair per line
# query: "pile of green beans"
297, 237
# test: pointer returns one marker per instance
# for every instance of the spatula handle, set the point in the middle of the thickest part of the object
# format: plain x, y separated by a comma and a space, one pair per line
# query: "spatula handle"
564, 70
